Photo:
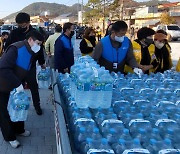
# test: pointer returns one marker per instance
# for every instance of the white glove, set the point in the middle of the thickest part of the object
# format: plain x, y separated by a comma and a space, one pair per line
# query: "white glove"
20, 88
138, 71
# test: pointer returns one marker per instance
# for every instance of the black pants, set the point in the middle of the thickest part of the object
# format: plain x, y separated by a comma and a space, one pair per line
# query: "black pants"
9, 129
33, 86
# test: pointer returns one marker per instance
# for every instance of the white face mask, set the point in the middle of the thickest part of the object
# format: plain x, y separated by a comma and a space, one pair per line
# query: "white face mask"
35, 48
119, 39
158, 44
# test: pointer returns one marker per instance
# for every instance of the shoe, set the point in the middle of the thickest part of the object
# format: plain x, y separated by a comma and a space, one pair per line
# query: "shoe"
38, 110
14, 144
26, 133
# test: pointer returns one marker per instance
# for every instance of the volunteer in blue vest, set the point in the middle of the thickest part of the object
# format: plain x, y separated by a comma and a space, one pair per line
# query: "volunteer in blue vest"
115, 50
15, 65
63, 50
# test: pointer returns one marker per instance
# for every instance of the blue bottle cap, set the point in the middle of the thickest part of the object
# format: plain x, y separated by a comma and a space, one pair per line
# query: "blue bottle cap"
155, 130
170, 131
104, 141
114, 116
89, 140
112, 131
142, 130
96, 130
136, 141
125, 131
121, 141
153, 141
82, 129
167, 141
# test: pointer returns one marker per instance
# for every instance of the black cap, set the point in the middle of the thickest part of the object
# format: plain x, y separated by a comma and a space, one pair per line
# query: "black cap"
145, 32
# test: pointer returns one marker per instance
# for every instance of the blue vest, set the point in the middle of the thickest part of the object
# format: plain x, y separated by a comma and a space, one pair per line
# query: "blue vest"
66, 42
24, 58
111, 54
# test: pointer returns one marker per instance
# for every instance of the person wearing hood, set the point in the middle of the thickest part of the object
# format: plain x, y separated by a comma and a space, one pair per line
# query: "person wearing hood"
63, 49
162, 51
144, 50
88, 42
115, 50
15, 65
19, 34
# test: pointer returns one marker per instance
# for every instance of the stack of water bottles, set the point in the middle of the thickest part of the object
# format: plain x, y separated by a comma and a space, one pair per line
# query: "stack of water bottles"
90, 85
18, 106
144, 116
44, 79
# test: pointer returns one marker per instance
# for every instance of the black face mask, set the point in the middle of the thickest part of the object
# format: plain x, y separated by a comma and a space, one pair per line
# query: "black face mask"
23, 30
148, 41
72, 33
92, 37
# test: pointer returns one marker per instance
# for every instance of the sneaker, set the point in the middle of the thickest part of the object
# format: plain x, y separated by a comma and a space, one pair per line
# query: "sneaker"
26, 133
14, 144
38, 110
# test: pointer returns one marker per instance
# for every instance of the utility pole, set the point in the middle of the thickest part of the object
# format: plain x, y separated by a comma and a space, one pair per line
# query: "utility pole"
122, 10
82, 11
104, 15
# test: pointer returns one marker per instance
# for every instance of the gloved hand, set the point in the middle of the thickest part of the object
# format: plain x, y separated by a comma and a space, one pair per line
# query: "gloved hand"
138, 71
20, 88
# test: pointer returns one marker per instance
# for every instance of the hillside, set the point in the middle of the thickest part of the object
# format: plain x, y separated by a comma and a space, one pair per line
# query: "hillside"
53, 8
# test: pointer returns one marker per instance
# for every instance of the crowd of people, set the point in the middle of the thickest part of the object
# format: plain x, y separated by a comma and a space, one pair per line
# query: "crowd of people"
25, 46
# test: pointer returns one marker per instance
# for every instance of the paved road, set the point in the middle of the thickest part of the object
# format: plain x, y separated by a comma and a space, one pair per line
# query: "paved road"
42, 139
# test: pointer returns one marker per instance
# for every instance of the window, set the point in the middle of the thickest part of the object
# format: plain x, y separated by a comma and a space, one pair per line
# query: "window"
173, 28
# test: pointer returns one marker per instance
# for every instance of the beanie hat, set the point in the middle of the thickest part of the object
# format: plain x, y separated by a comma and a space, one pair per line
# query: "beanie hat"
145, 32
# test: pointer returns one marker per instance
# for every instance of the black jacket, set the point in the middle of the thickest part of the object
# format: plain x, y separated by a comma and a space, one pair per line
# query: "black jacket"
85, 49
14, 68
16, 35
63, 53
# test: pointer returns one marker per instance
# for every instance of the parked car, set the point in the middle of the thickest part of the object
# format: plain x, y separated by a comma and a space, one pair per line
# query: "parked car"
80, 32
173, 31
8, 28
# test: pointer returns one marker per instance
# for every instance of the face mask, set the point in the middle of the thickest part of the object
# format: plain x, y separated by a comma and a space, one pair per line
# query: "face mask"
119, 39
35, 48
72, 33
158, 44
148, 41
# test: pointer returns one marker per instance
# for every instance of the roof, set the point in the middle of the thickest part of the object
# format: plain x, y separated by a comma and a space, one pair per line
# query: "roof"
167, 5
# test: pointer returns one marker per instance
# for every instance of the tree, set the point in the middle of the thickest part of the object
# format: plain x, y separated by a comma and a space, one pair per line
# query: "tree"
167, 19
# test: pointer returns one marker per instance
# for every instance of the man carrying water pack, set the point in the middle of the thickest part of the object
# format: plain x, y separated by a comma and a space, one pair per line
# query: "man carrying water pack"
15, 66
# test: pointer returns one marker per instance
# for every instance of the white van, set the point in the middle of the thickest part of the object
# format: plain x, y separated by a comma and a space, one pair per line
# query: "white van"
173, 31
8, 28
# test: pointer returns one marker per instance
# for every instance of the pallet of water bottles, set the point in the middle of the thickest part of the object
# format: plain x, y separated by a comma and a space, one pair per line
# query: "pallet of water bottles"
143, 116
44, 78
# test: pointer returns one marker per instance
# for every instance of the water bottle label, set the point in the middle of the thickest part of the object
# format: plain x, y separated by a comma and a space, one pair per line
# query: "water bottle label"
83, 120
144, 151
95, 72
164, 102
166, 151
100, 151
111, 121
163, 121
140, 101
138, 120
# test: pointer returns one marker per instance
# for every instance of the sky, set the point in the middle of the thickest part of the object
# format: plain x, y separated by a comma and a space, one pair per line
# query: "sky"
10, 6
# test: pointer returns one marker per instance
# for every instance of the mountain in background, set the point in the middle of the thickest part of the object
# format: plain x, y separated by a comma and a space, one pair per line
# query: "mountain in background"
59, 9
53, 8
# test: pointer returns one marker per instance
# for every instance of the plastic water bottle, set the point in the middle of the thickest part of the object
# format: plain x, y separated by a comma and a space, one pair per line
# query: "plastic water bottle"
18, 106
103, 117
136, 124
153, 117
112, 123
121, 106
156, 146
128, 146
96, 146
98, 111
44, 78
